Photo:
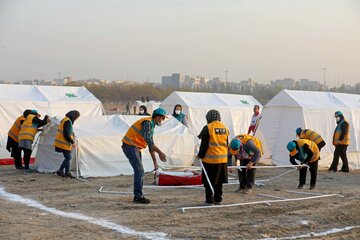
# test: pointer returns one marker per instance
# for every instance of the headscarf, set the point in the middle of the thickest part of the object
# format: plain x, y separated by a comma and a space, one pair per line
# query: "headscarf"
73, 115
177, 105
27, 112
145, 109
213, 115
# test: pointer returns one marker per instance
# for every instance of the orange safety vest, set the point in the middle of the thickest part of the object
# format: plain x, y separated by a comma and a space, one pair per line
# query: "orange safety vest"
28, 129
311, 135
337, 133
60, 140
244, 138
15, 129
133, 136
218, 150
313, 147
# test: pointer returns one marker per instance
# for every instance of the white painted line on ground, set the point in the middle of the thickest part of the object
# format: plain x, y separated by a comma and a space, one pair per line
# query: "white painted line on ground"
320, 234
97, 221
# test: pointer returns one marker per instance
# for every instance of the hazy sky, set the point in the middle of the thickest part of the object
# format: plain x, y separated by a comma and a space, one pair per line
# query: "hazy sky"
146, 39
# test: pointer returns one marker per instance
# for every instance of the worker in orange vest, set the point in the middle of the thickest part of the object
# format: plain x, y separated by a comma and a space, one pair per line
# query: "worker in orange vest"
12, 144
213, 154
138, 137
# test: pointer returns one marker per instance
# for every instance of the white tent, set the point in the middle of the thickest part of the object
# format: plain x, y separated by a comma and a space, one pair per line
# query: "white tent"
99, 152
236, 110
289, 110
50, 100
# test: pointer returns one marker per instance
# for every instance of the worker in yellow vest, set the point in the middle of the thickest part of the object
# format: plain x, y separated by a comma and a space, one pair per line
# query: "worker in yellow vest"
341, 141
306, 152
312, 136
27, 133
138, 137
65, 142
248, 149
213, 154
12, 144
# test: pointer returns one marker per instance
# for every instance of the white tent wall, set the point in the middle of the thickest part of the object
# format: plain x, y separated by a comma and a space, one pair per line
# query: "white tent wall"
48, 100
99, 152
313, 110
236, 110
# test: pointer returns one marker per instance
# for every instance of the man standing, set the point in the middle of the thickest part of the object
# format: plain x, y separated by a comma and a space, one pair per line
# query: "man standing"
248, 149
255, 120
306, 152
138, 137
341, 141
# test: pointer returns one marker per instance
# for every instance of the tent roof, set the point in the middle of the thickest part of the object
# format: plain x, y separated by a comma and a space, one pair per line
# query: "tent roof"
12, 92
314, 100
200, 99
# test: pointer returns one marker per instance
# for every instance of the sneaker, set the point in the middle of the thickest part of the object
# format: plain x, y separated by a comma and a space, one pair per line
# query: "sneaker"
28, 171
141, 200
248, 191
209, 203
20, 167
312, 187
331, 170
301, 186
217, 203
60, 173
239, 190
69, 175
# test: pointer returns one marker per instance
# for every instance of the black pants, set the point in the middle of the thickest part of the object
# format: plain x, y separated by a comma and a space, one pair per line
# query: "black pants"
340, 151
217, 174
16, 154
246, 177
313, 167
27, 155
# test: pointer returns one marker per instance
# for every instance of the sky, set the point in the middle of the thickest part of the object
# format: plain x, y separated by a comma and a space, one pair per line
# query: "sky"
142, 40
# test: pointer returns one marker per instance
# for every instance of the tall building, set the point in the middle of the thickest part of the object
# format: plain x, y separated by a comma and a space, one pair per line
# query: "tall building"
176, 80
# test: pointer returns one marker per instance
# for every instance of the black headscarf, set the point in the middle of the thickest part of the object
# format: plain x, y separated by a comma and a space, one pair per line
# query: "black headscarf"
177, 105
73, 115
27, 112
145, 110
213, 115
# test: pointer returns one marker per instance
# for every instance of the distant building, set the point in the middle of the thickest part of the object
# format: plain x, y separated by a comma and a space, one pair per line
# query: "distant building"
176, 80
286, 83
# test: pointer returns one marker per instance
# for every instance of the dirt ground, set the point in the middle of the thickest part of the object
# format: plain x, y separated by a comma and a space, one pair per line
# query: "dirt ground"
18, 221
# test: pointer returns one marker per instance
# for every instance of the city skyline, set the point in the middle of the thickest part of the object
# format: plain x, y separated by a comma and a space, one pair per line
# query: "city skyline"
143, 40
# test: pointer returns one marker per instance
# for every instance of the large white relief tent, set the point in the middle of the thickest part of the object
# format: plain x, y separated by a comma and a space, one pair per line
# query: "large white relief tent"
289, 110
236, 110
50, 100
99, 152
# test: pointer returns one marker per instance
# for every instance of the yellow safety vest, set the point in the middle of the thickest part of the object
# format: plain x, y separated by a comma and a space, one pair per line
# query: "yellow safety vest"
60, 140
28, 129
313, 147
15, 129
337, 133
311, 135
133, 136
244, 138
218, 150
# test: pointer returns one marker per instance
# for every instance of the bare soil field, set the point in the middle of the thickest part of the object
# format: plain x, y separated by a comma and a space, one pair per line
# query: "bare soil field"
261, 221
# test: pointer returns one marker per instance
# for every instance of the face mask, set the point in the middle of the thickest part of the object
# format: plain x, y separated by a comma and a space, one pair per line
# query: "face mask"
337, 119
159, 123
177, 112
141, 111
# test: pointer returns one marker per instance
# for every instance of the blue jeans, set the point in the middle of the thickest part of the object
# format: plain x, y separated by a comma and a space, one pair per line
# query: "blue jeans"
134, 156
66, 163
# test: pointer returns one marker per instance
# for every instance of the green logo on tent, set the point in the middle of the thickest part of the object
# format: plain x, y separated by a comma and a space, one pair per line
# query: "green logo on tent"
244, 102
70, 95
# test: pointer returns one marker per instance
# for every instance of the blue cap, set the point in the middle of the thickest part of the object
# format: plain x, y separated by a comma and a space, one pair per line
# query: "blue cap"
291, 146
159, 112
235, 145
34, 111
338, 113
298, 131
